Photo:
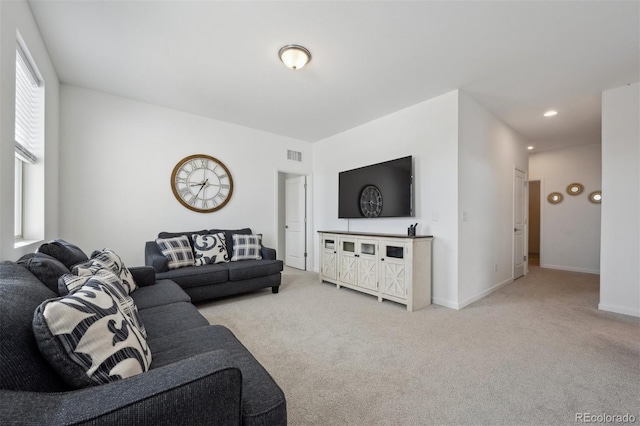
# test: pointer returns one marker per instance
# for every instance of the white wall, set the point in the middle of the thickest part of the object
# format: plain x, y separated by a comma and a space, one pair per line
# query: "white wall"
116, 158
488, 152
429, 132
620, 246
15, 16
570, 235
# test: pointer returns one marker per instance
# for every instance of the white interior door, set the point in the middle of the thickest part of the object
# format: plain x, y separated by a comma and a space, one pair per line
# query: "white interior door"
295, 218
518, 224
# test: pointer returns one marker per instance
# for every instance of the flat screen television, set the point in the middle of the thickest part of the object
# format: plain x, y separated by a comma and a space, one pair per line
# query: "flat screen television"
379, 190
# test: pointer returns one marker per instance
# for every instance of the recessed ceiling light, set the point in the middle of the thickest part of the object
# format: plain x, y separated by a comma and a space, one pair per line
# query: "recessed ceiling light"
550, 113
529, 148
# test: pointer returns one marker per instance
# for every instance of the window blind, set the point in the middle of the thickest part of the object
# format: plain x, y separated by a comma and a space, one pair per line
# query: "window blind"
28, 91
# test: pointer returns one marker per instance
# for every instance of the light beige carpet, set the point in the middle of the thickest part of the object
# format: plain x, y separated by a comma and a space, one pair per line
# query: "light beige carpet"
537, 351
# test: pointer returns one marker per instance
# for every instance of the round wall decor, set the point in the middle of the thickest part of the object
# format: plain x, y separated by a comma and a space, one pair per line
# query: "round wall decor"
575, 189
201, 183
555, 198
595, 197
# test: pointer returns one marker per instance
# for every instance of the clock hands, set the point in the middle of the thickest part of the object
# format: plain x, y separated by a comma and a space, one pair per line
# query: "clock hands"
202, 186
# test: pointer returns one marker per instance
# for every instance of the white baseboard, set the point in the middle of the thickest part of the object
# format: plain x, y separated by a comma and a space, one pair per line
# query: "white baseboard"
619, 310
571, 269
485, 293
445, 303
472, 299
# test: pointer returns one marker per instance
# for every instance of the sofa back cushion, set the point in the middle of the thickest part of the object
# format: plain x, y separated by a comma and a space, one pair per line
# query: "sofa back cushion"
22, 367
46, 268
65, 252
164, 235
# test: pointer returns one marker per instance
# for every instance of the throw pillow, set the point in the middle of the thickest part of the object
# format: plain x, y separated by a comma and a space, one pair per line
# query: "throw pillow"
112, 284
210, 248
46, 268
246, 247
107, 259
87, 339
177, 250
65, 252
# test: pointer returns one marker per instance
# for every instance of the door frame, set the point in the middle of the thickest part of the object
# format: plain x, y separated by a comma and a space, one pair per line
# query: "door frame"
525, 231
280, 175
541, 234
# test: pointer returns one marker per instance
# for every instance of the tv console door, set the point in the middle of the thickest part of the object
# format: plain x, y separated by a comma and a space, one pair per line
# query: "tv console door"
391, 267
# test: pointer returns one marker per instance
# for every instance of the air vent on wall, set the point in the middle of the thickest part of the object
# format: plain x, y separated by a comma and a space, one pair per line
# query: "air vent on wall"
294, 155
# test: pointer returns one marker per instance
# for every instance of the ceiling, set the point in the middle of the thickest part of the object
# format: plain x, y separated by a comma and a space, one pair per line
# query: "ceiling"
370, 58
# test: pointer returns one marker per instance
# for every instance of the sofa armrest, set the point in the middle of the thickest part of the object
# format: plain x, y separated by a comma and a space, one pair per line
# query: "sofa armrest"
268, 253
203, 389
143, 275
153, 257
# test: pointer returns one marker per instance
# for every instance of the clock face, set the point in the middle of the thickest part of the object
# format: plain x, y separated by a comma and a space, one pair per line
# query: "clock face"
371, 201
202, 183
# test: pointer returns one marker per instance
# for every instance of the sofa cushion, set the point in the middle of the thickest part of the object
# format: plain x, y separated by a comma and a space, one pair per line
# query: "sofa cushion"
163, 292
111, 283
246, 247
167, 320
88, 339
209, 248
263, 401
65, 252
253, 268
22, 367
177, 250
46, 268
195, 277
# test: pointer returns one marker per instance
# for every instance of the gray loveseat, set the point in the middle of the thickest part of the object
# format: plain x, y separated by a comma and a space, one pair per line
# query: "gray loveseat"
222, 279
199, 374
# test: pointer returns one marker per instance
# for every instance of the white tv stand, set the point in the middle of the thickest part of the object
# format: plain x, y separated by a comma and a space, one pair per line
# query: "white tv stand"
389, 266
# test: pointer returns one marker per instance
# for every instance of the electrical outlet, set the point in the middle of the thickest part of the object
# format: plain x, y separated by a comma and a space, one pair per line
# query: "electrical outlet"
464, 216
435, 216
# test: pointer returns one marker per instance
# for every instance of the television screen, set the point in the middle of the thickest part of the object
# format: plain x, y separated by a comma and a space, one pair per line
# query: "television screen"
379, 190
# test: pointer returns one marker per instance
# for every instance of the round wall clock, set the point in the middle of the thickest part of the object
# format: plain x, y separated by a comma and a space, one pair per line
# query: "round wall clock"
201, 183
370, 201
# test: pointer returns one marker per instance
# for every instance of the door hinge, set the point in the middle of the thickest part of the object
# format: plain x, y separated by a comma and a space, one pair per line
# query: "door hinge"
524, 257
305, 255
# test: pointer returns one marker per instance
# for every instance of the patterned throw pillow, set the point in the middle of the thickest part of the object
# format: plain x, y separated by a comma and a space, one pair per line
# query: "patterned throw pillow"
87, 339
106, 259
69, 284
210, 248
246, 247
177, 250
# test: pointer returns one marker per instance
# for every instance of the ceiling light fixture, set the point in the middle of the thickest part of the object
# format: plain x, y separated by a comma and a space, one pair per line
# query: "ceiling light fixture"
529, 148
550, 113
294, 56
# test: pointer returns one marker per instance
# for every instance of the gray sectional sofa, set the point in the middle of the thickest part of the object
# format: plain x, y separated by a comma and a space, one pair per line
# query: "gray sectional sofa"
199, 373
222, 279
